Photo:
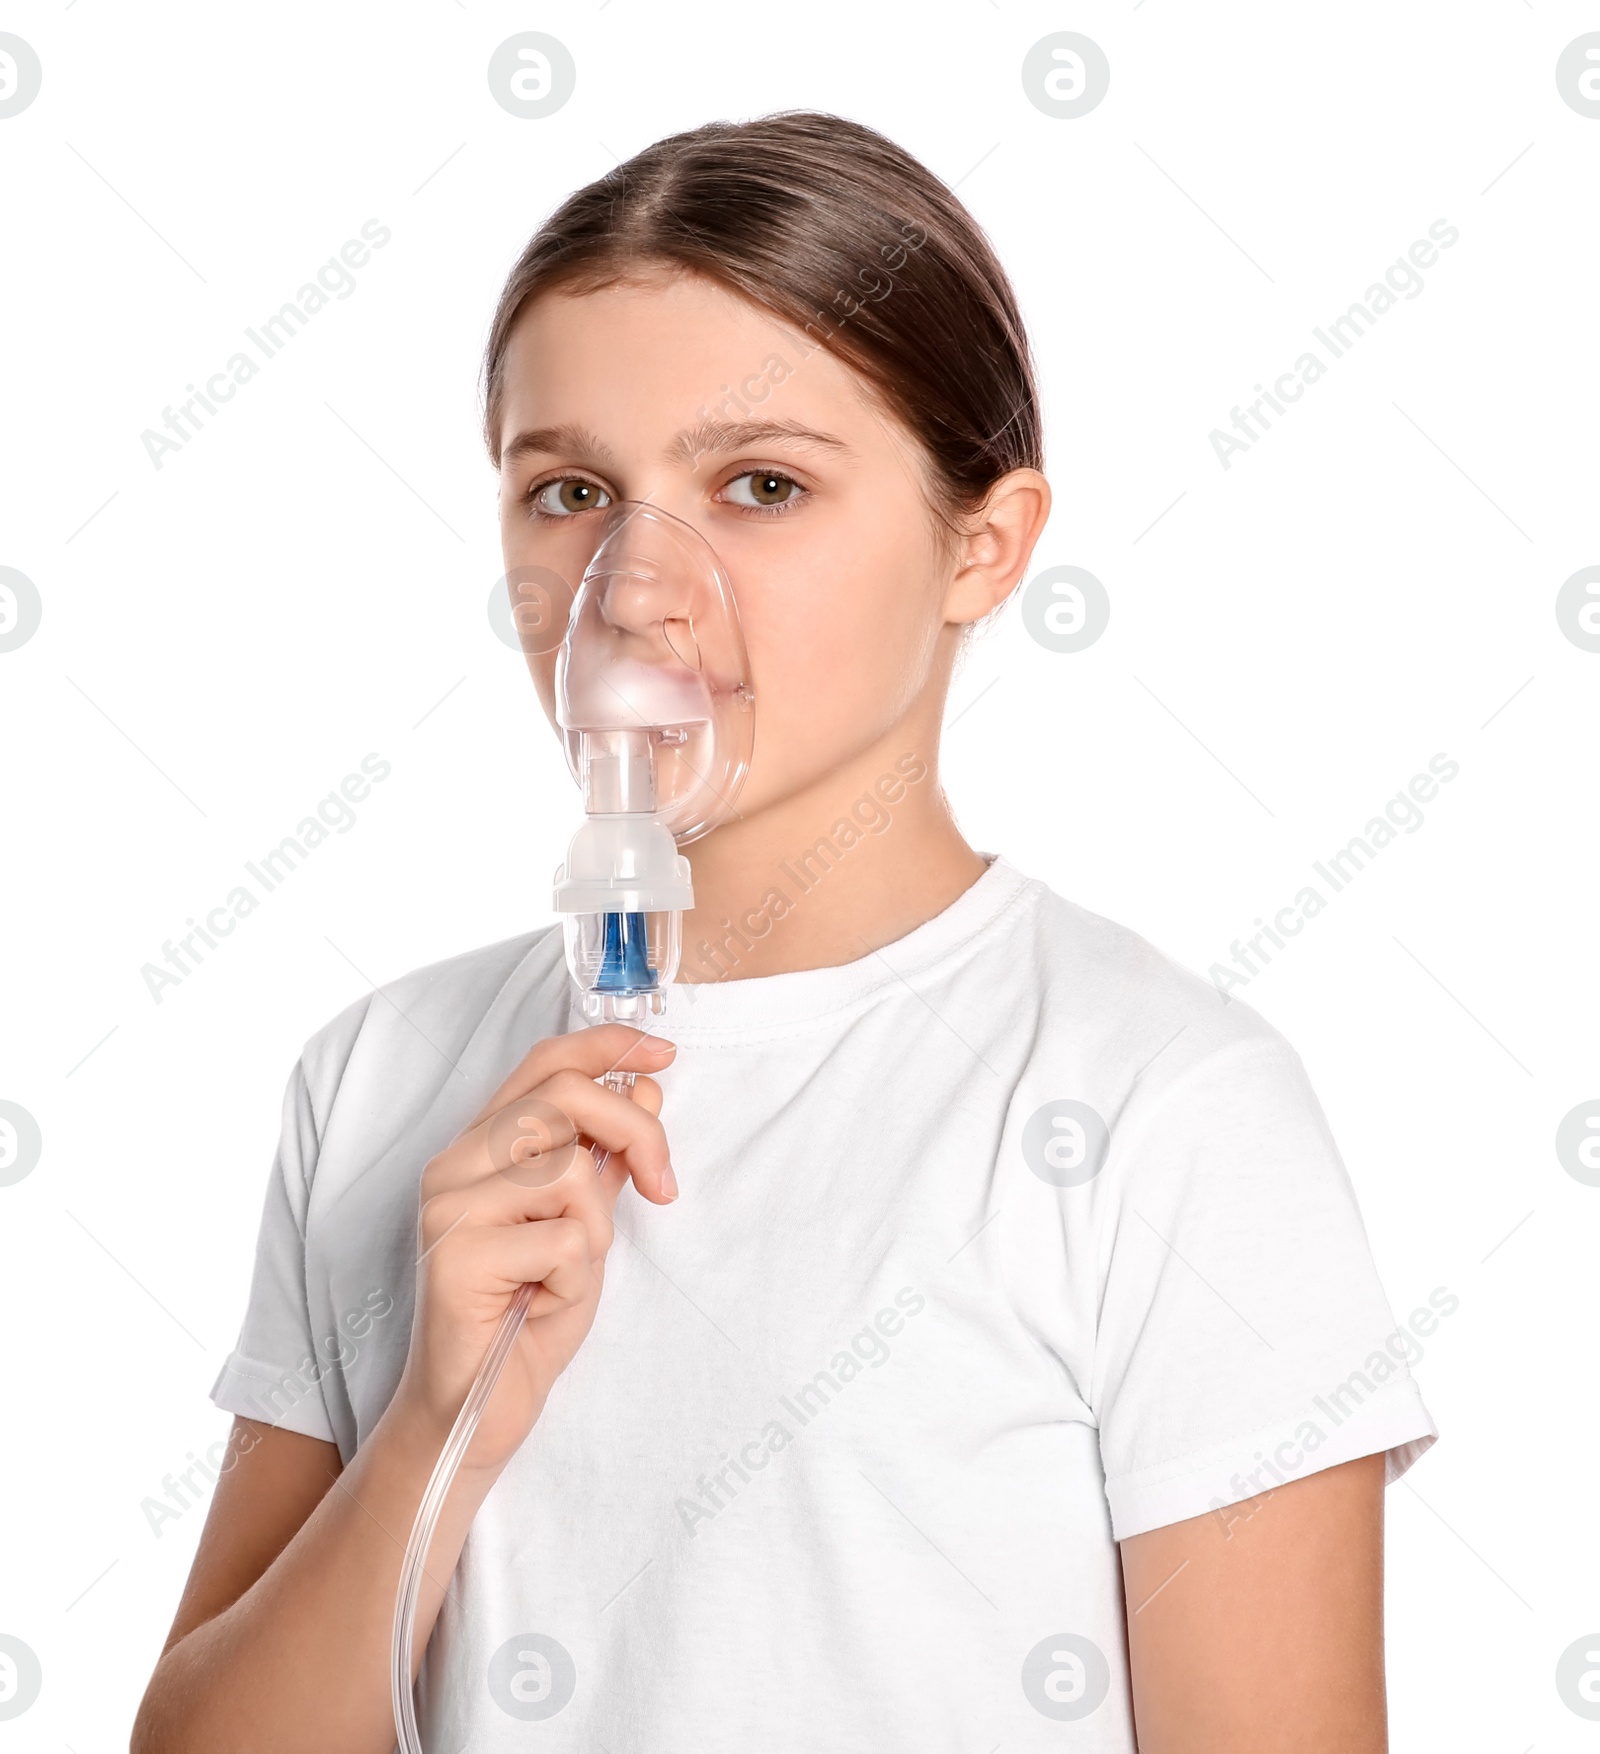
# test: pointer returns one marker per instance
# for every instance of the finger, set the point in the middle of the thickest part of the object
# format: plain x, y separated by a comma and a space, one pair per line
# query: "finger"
534, 1136
552, 1254
531, 1138
647, 1093
604, 1048
649, 1169
612, 1119
659, 1186
500, 1200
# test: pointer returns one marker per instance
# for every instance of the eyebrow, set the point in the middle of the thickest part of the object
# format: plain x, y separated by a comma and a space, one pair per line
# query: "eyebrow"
721, 435
575, 440
689, 445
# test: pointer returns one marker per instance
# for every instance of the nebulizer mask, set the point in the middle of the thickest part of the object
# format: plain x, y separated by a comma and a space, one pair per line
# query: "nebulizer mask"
655, 708
654, 704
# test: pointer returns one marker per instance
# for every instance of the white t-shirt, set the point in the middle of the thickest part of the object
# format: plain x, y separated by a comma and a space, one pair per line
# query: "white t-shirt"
1001, 1244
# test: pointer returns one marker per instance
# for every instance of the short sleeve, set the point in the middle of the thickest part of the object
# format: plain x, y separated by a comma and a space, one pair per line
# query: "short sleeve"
1243, 1339
275, 1372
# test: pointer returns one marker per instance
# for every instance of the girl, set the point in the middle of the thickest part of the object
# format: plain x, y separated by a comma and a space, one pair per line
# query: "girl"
1014, 1356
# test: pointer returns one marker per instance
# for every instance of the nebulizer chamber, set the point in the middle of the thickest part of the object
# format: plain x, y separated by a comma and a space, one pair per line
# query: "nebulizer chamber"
656, 712
624, 887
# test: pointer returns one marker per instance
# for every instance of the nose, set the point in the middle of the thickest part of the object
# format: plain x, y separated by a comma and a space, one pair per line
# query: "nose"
646, 577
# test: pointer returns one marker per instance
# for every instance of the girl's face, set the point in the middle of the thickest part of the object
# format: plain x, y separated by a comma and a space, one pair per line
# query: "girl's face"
679, 392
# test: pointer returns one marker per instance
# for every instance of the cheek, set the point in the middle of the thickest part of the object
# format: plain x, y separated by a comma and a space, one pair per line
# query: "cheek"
841, 634
542, 668
513, 531
556, 552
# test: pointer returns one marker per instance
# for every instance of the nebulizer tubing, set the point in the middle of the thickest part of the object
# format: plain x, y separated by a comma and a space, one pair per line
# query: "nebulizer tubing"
413, 1568
654, 702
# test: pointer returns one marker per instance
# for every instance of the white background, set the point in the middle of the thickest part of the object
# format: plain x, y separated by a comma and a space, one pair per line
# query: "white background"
1291, 639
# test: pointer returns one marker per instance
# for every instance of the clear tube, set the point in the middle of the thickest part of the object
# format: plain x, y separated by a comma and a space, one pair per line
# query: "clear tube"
414, 1566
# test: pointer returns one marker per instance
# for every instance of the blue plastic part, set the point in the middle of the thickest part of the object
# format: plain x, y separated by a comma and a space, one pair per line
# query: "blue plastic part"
625, 967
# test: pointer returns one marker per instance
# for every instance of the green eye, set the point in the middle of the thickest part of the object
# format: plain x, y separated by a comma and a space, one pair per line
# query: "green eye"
560, 499
762, 487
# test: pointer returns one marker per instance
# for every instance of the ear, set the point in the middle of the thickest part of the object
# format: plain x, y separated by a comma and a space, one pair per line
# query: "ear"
998, 545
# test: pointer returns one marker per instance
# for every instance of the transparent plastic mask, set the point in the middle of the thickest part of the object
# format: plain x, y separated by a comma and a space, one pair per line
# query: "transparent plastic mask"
653, 691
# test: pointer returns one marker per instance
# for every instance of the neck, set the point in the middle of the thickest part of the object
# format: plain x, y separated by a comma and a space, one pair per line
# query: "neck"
861, 857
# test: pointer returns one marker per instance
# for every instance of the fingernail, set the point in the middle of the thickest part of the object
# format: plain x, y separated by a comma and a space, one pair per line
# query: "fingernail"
658, 1044
669, 1183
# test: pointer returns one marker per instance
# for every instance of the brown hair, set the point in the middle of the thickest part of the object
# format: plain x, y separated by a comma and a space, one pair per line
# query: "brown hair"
836, 230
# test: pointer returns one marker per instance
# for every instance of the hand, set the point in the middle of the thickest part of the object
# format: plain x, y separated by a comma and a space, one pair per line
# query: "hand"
515, 1200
